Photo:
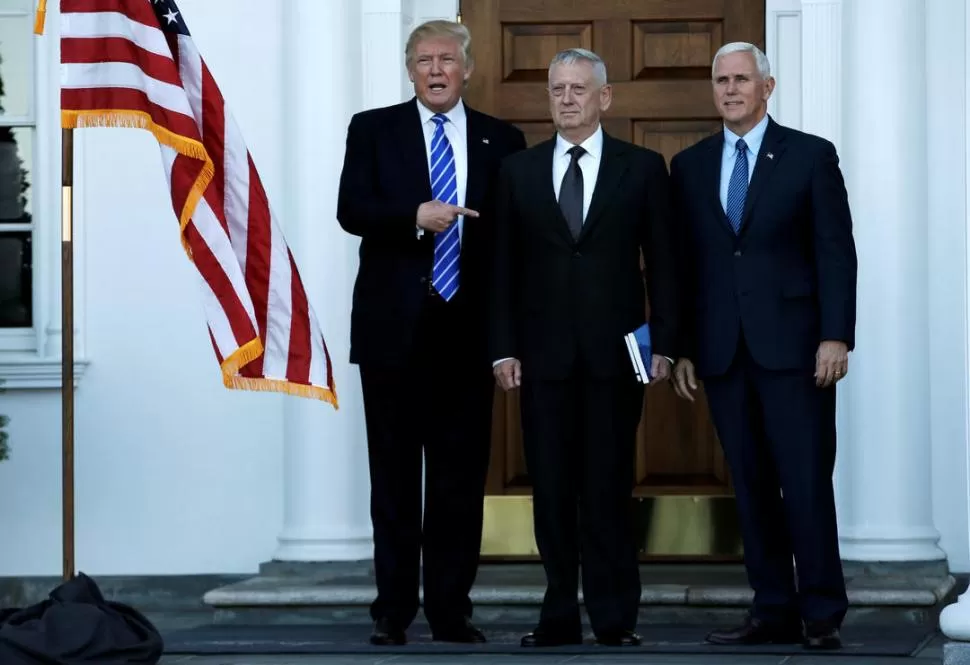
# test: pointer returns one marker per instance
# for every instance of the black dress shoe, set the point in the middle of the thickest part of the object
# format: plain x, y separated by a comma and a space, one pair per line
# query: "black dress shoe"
547, 638
755, 631
625, 638
387, 634
822, 635
464, 632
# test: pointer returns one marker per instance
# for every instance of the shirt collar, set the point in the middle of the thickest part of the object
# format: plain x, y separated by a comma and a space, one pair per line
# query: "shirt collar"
456, 115
752, 139
593, 145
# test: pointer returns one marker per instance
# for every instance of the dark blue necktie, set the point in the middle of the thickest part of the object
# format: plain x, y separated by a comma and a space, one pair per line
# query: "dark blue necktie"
738, 187
444, 187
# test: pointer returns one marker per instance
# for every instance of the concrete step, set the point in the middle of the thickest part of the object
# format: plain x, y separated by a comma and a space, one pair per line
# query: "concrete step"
288, 593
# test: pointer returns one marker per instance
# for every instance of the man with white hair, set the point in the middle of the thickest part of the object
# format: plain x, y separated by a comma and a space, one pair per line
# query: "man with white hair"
574, 214
770, 270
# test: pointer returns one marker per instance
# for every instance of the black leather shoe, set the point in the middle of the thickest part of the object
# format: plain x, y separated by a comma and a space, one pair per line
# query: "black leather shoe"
464, 632
822, 636
626, 638
755, 631
546, 638
386, 634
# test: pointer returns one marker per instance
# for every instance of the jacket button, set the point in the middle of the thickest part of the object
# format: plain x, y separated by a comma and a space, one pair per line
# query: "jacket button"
576, 255
737, 252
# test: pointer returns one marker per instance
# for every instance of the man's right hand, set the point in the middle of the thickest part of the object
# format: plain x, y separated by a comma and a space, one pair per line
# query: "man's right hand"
684, 380
508, 374
437, 216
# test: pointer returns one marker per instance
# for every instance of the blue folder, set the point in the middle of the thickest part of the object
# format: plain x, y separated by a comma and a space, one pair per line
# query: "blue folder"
641, 352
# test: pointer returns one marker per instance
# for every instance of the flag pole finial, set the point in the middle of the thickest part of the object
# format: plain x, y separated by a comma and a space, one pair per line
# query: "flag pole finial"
39, 17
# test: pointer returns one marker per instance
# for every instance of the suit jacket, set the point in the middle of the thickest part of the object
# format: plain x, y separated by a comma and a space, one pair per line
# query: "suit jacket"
384, 180
788, 279
556, 300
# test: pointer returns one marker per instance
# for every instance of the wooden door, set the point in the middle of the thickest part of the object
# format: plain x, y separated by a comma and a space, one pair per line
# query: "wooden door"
658, 56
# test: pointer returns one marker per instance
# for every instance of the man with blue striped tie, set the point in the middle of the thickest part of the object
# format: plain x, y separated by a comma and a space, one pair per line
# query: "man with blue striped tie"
769, 266
417, 188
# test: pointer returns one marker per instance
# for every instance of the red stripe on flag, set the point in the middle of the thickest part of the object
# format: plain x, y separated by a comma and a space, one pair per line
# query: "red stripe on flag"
118, 49
208, 265
214, 137
140, 10
298, 363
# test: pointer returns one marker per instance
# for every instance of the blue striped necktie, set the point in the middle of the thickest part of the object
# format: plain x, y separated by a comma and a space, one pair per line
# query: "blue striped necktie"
738, 186
444, 187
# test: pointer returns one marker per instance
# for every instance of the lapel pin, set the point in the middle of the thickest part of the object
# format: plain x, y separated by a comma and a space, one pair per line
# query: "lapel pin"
484, 140
769, 155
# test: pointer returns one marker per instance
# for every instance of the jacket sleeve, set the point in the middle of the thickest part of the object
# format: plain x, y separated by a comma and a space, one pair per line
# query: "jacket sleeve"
360, 209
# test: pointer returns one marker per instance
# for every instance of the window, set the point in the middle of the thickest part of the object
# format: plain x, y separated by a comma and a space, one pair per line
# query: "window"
30, 171
17, 140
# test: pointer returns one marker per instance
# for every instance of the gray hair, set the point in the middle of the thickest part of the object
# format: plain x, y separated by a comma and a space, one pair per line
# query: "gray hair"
571, 55
437, 28
760, 59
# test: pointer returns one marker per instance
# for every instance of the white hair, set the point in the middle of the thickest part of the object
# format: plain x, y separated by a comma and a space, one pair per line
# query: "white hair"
760, 59
571, 55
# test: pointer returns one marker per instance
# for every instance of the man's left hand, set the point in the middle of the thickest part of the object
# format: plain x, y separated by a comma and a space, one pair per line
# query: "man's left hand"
831, 363
659, 368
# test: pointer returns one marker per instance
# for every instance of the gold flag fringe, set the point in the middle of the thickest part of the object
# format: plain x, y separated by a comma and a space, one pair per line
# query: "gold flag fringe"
249, 352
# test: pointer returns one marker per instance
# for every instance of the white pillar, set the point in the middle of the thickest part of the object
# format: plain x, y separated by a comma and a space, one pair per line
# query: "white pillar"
325, 485
821, 23
955, 618
886, 506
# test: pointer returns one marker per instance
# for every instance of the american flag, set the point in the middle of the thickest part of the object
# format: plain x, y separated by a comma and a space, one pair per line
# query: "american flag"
133, 63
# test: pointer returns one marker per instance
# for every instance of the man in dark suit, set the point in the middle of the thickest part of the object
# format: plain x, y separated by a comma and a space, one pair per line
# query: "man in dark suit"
769, 266
417, 187
574, 214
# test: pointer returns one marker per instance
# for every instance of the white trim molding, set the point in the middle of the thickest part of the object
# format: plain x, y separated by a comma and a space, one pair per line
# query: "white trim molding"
32, 359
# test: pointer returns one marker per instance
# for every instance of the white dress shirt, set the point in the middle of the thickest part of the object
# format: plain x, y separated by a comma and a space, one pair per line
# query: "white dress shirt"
729, 154
589, 164
457, 134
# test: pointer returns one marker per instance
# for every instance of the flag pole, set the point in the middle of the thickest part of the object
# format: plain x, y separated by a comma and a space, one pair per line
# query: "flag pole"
67, 352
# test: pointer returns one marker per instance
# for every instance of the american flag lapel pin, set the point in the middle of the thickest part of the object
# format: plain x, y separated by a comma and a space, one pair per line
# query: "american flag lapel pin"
484, 140
769, 155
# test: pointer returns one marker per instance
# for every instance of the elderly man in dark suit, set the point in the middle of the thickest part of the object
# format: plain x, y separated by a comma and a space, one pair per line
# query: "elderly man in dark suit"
417, 187
769, 269
575, 213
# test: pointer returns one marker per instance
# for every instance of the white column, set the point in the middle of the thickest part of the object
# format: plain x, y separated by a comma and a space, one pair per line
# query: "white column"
821, 23
821, 113
886, 508
955, 618
325, 484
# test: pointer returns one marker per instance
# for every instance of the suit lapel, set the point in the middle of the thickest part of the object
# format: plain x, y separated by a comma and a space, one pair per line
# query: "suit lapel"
414, 152
712, 181
543, 187
477, 159
772, 148
613, 166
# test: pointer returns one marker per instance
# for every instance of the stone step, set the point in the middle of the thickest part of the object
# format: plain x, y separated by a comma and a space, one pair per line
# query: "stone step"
513, 592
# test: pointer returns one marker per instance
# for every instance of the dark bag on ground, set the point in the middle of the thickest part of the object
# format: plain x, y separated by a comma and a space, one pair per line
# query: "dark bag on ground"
77, 625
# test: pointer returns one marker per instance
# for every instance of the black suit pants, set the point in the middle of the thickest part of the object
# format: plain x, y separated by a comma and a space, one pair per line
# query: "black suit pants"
437, 407
777, 429
580, 443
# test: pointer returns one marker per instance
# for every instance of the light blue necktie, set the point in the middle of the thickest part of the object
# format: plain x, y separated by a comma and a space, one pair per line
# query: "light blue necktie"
444, 187
738, 187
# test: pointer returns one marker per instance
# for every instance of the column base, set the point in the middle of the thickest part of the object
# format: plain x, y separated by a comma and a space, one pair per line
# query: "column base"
357, 546
871, 545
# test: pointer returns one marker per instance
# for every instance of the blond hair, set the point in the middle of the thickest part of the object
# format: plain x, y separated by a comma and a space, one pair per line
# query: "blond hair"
438, 28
